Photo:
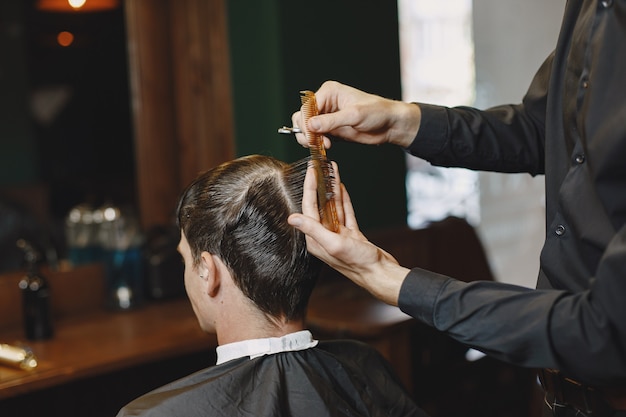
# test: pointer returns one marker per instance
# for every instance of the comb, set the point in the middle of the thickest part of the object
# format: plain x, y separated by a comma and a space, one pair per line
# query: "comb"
321, 164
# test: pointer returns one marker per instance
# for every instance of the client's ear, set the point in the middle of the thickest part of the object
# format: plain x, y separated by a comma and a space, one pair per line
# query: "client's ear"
210, 273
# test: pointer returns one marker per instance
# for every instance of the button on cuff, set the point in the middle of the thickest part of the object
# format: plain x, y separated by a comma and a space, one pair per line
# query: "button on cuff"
560, 230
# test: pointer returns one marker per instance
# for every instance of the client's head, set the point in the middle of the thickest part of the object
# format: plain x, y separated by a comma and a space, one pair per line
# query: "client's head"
237, 212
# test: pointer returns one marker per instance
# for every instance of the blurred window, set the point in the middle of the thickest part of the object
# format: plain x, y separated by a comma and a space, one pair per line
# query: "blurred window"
437, 65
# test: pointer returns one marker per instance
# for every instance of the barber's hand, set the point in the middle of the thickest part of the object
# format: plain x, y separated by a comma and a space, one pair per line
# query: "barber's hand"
354, 115
348, 251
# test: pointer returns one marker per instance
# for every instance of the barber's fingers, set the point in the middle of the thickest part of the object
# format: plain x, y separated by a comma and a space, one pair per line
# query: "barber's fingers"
310, 205
343, 203
342, 110
340, 124
321, 242
297, 121
329, 122
341, 198
349, 216
319, 239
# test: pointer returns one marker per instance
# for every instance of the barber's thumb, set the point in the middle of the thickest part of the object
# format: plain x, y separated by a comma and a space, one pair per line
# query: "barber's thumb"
315, 124
304, 224
295, 220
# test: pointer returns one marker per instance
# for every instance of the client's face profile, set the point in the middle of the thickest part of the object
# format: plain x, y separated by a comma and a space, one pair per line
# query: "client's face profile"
196, 286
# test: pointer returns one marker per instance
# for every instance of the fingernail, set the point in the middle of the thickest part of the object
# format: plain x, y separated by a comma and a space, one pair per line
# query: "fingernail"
295, 221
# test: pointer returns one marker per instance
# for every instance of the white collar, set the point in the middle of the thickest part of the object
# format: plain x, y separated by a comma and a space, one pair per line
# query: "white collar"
258, 347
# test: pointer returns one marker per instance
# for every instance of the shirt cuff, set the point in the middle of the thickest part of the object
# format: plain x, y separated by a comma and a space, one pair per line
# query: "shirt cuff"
419, 292
433, 131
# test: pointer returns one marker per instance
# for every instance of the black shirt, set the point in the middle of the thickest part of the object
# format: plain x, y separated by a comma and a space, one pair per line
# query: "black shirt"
571, 126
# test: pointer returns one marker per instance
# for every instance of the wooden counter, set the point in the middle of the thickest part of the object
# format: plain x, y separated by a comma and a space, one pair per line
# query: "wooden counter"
105, 342
98, 360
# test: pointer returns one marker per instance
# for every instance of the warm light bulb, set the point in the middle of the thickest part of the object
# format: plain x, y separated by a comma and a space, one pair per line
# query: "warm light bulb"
65, 6
77, 4
65, 38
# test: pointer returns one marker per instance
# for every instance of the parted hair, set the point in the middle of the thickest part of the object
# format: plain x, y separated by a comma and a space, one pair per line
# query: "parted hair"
238, 211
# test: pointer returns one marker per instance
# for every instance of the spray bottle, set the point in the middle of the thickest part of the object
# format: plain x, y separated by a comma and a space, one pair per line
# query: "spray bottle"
35, 296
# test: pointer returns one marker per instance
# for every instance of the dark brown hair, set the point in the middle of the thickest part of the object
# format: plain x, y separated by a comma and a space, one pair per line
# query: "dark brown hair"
238, 211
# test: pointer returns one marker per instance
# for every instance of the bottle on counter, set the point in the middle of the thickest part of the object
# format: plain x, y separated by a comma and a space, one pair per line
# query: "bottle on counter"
122, 255
81, 233
35, 296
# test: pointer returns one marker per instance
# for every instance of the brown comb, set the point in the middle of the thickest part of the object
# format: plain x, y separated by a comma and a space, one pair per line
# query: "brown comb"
323, 168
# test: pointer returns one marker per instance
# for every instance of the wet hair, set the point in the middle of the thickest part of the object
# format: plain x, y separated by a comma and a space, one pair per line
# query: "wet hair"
238, 211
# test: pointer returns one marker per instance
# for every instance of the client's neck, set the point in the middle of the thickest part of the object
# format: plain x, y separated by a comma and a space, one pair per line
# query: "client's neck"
256, 325
239, 318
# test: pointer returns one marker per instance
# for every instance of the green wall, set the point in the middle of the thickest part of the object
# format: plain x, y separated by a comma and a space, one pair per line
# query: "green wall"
18, 150
279, 47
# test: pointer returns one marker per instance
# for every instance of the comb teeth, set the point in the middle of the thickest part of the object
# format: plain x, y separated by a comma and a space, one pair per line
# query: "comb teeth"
309, 109
309, 104
323, 168
329, 176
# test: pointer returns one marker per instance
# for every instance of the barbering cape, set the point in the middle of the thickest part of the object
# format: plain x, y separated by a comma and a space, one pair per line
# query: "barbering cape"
338, 378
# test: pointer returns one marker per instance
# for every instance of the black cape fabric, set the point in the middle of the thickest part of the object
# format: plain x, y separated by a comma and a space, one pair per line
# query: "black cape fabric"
338, 378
